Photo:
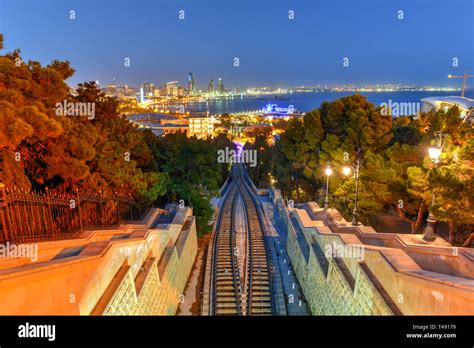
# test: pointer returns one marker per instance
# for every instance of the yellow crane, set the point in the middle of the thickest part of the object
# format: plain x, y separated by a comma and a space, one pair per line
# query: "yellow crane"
464, 78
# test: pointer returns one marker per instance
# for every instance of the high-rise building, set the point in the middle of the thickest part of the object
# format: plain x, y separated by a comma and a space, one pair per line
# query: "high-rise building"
126, 90
172, 88
111, 88
148, 89
210, 87
120, 91
220, 87
192, 88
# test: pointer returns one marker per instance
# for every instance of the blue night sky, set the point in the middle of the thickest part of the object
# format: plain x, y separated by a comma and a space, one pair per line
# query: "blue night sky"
272, 49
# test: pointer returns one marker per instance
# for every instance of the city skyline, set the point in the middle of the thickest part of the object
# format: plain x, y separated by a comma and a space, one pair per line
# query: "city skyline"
204, 87
268, 39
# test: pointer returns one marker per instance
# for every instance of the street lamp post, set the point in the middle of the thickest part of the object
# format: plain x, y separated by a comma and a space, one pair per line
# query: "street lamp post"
434, 153
346, 170
328, 172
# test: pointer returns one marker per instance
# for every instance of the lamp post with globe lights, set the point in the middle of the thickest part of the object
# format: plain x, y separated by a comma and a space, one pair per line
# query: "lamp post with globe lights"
328, 172
435, 155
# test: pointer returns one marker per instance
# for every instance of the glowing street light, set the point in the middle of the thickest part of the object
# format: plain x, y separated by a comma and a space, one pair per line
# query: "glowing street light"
346, 170
435, 153
328, 172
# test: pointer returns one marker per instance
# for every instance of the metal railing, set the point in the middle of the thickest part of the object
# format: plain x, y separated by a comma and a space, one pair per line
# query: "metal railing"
27, 216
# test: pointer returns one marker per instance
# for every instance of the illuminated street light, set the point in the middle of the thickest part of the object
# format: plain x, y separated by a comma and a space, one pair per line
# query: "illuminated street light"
328, 172
435, 153
346, 170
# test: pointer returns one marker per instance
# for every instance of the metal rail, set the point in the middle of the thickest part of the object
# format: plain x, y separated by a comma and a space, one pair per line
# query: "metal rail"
27, 217
225, 290
259, 291
227, 293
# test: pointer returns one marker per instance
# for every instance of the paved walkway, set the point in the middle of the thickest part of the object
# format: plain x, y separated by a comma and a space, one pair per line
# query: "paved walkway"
294, 298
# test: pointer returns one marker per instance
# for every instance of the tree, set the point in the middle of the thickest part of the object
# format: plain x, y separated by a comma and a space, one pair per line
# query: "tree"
453, 186
396, 173
410, 192
41, 147
193, 171
357, 123
259, 172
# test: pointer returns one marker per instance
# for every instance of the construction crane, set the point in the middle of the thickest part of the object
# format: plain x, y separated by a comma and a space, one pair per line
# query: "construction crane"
464, 78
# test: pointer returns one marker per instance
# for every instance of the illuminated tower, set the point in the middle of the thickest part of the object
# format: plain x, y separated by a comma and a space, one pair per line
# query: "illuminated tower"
192, 89
220, 86
210, 88
172, 88
148, 89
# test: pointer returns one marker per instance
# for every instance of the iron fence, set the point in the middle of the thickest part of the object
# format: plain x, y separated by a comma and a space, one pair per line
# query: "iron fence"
27, 217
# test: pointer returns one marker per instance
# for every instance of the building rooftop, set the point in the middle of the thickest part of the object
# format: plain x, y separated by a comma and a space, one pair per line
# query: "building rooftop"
463, 102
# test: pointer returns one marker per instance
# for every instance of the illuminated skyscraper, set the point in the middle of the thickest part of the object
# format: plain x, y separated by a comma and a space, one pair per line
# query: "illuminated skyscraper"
192, 88
172, 88
210, 88
220, 86
148, 89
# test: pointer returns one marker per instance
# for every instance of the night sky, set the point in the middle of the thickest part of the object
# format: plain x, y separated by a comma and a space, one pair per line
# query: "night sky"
272, 49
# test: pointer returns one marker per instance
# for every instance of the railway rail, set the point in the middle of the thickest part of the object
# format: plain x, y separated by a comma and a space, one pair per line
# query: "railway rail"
244, 290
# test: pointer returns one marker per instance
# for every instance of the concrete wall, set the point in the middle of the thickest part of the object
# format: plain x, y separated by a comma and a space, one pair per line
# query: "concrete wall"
329, 292
383, 280
108, 276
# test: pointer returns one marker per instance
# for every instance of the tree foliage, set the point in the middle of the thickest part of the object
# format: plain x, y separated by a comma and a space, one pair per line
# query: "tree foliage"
194, 175
104, 153
396, 173
40, 148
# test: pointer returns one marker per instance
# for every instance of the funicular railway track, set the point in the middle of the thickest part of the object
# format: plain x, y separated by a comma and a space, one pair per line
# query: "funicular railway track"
244, 291
226, 287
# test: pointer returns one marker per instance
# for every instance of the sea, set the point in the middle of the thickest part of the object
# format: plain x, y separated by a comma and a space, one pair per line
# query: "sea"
307, 101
